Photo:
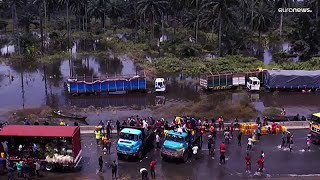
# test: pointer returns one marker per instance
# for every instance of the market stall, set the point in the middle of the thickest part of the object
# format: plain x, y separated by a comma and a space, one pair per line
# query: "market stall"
55, 146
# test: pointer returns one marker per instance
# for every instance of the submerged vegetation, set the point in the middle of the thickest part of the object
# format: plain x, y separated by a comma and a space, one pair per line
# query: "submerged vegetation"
177, 35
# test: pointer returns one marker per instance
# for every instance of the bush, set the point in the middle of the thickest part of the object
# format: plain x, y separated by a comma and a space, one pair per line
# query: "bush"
271, 111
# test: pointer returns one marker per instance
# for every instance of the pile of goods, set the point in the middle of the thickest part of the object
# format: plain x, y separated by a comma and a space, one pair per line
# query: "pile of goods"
59, 159
249, 128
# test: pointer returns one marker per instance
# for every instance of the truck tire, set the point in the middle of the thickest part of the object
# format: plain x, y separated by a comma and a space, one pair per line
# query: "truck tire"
49, 167
185, 156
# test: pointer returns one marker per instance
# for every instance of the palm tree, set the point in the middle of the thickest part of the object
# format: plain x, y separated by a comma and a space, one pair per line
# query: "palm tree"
280, 4
262, 18
221, 15
115, 9
315, 4
97, 8
193, 17
152, 9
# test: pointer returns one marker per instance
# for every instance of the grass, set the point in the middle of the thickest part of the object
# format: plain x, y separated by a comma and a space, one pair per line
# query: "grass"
271, 111
243, 111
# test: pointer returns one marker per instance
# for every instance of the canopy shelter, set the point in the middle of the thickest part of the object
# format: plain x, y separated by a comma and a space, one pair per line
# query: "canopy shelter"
43, 135
39, 131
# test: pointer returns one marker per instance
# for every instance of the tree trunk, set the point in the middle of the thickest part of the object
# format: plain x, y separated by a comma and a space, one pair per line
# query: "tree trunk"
317, 10
67, 4
281, 20
220, 33
103, 19
152, 25
259, 38
162, 25
45, 21
174, 23
252, 8
197, 27
41, 32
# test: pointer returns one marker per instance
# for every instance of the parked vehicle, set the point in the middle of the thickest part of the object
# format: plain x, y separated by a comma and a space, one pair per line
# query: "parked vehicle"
48, 140
134, 141
97, 85
315, 128
159, 85
273, 80
178, 145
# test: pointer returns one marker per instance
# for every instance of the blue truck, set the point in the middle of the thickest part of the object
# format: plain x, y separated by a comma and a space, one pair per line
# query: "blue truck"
178, 145
98, 85
134, 142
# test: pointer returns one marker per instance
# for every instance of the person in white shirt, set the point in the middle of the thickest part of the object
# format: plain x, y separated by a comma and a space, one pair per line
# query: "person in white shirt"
158, 141
195, 152
249, 146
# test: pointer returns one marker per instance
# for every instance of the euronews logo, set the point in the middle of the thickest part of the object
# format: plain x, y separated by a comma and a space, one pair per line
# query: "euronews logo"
295, 10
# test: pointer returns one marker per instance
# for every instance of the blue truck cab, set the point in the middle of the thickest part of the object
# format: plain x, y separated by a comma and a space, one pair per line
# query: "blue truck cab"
133, 141
175, 146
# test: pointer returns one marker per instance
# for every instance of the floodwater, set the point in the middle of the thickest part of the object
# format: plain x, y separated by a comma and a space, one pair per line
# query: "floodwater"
34, 85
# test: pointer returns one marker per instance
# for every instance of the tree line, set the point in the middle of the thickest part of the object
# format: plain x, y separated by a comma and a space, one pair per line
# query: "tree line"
237, 23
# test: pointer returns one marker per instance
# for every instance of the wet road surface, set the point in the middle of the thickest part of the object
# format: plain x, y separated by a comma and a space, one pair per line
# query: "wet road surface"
279, 163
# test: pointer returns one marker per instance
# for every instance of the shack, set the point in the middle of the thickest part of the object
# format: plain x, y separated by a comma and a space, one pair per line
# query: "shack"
56, 146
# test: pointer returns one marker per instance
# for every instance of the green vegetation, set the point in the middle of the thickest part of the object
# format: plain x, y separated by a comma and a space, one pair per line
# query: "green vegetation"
271, 111
204, 108
227, 29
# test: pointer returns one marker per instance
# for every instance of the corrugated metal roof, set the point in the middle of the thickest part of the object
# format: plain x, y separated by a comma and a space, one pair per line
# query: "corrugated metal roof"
38, 131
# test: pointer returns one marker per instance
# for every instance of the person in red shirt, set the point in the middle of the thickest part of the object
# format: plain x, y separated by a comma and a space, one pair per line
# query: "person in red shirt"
273, 127
152, 167
260, 163
213, 131
248, 163
222, 153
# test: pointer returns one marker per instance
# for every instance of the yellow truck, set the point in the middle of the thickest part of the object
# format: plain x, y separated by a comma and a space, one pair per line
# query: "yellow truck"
315, 128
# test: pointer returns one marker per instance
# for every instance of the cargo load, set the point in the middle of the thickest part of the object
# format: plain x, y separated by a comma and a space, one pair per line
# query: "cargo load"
292, 79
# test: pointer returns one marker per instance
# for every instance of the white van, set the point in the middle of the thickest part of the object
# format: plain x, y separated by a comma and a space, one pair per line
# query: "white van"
160, 85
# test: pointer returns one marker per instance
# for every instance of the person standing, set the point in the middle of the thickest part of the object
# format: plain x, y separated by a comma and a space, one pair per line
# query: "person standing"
288, 139
118, 126
10, 172
249, 146
152, 169
210, 141
291, 143
195, 152
260, 162
97, 132
309, 142
231, 129
262, 158
158, 141
100, 164
248, 163
38, 166
239, 138
144, 173
19, 168
222, 153
283, 138
114, 169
